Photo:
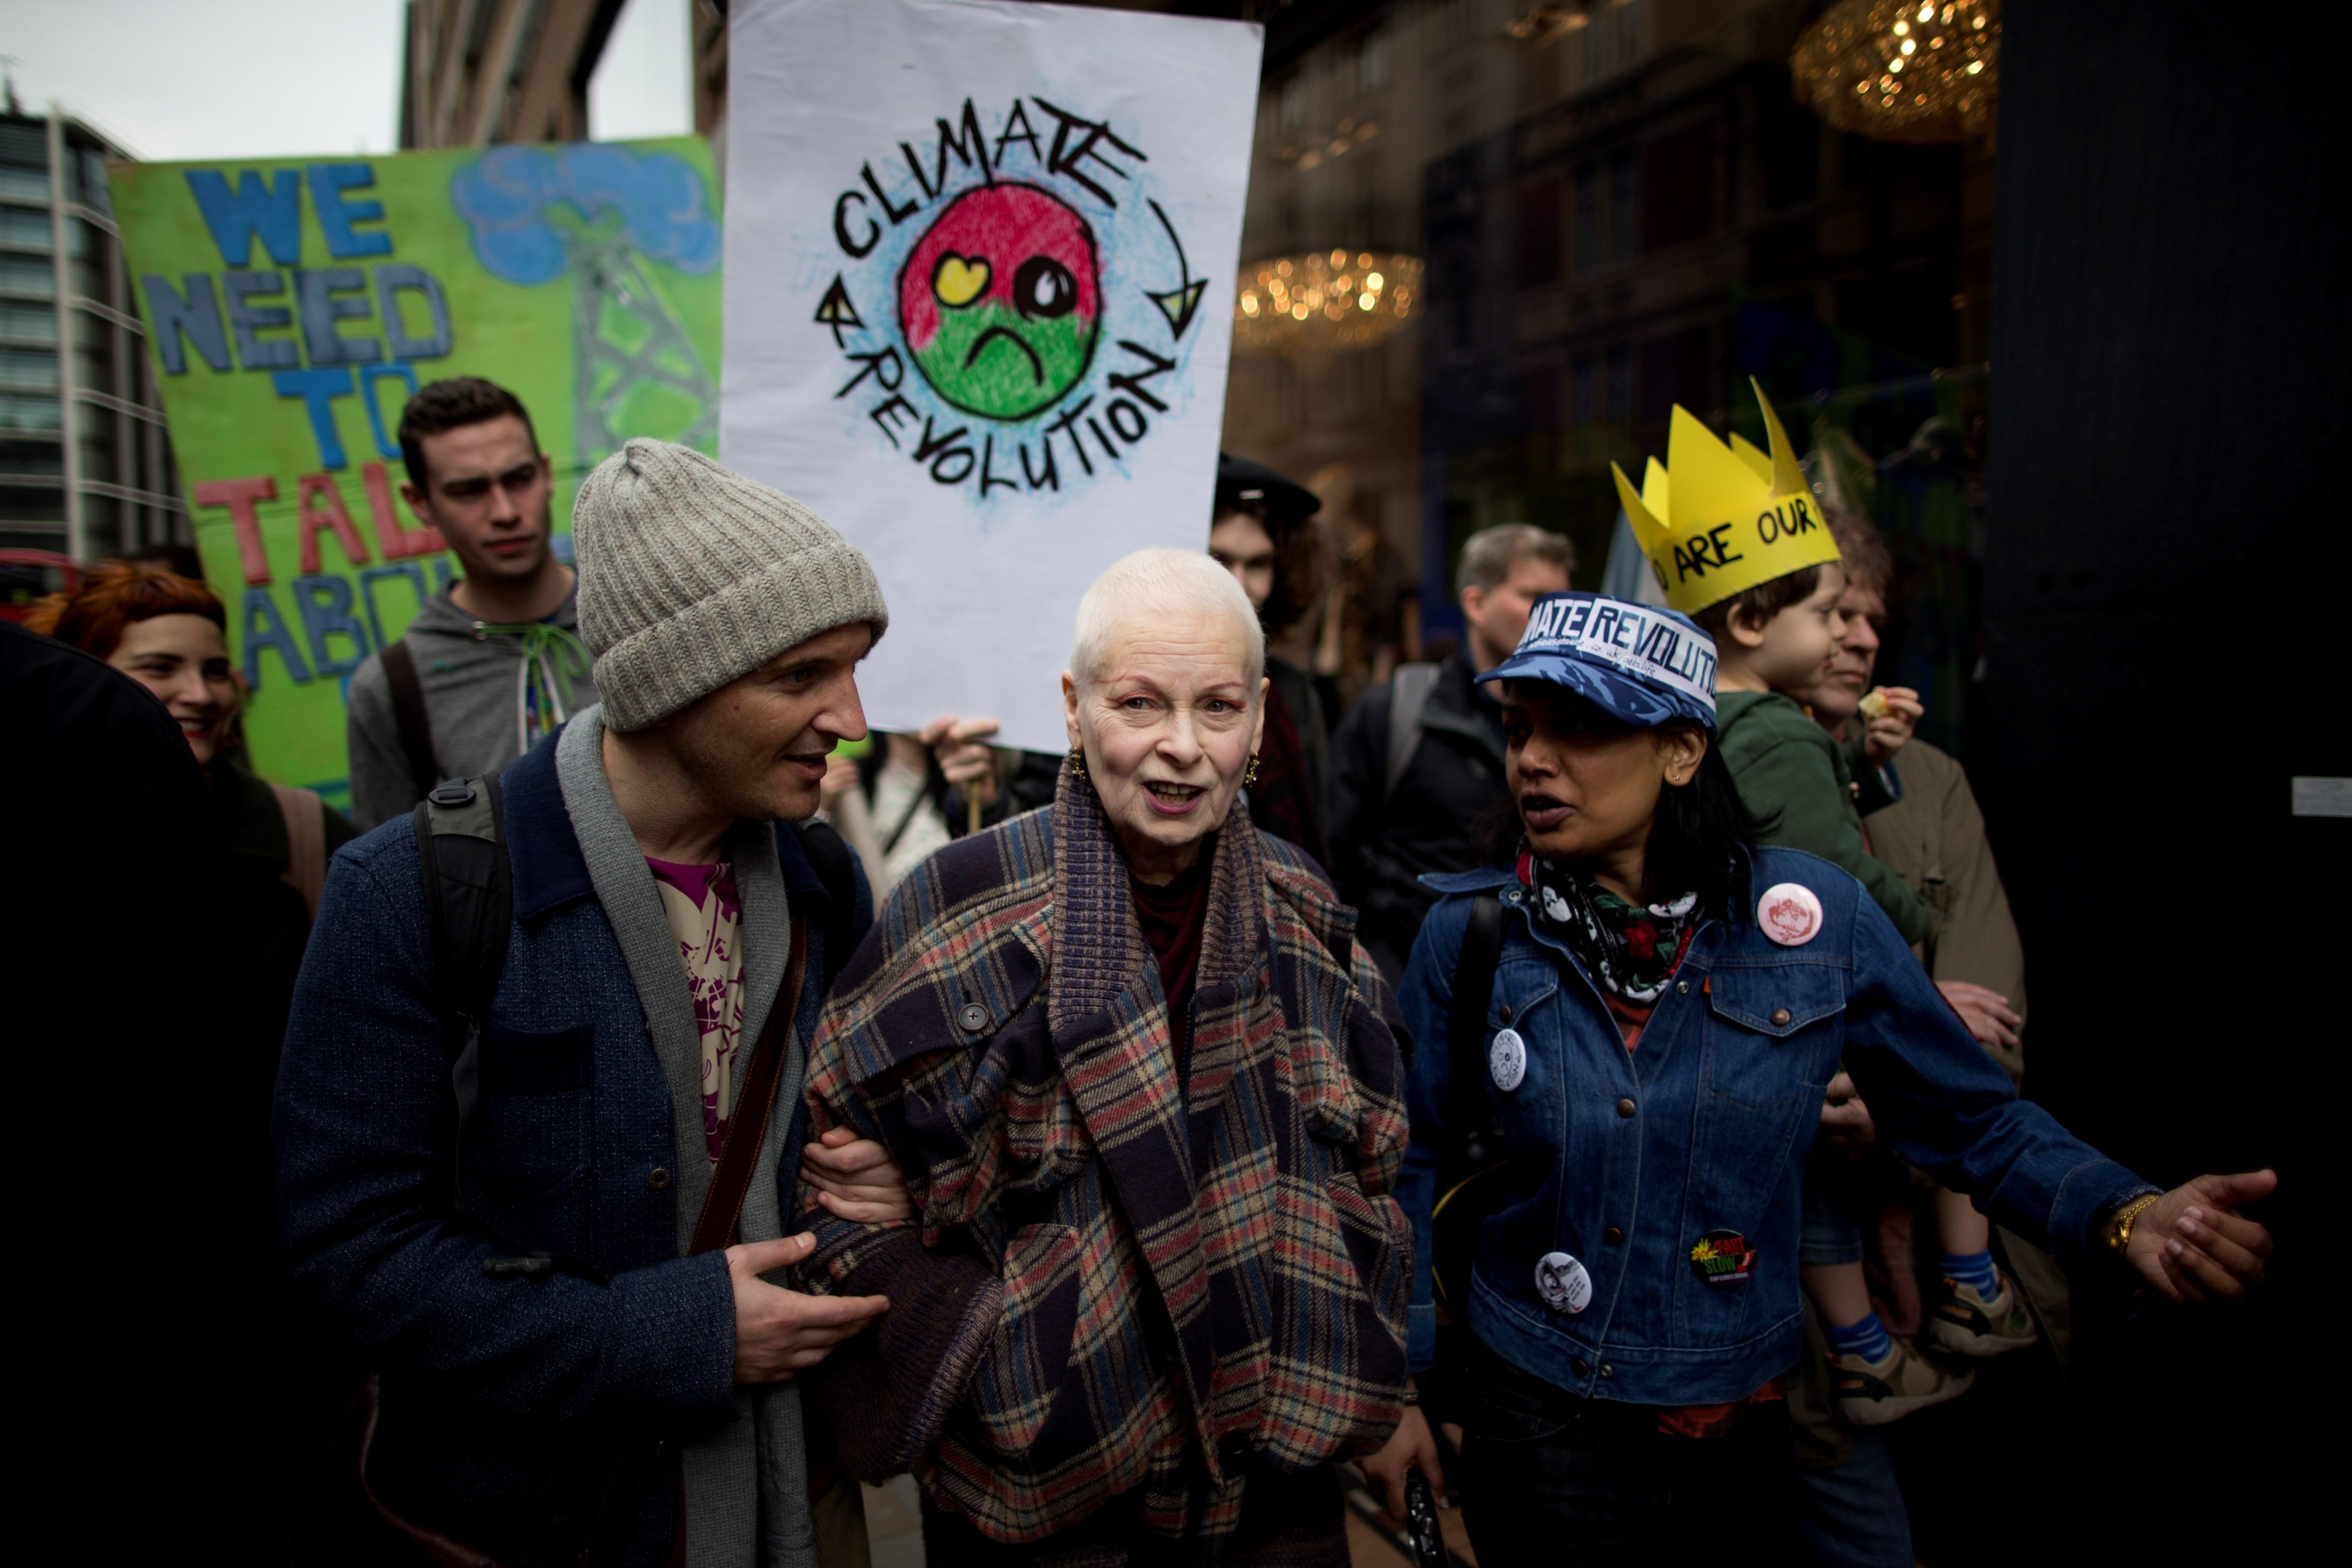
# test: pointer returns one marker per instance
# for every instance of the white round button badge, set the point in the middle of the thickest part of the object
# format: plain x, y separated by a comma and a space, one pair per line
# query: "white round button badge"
1507, 1059
1790, 914
1562, 1283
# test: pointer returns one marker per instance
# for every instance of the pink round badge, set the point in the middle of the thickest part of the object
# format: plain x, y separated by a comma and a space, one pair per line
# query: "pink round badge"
1790, 914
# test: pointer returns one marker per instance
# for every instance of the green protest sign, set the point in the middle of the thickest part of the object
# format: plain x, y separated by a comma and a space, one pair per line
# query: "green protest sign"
292, 307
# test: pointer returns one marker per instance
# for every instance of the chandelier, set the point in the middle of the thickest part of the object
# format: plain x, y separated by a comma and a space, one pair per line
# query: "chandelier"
1903, 70
1323, 301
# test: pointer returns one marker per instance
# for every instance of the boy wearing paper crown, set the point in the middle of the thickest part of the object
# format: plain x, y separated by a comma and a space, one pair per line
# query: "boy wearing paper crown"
1740, 545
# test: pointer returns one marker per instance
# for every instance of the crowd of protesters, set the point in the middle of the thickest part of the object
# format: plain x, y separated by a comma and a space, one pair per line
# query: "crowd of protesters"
671, 1105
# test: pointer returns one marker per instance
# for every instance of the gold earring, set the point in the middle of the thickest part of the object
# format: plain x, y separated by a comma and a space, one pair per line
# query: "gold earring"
1250, 777
1078, 761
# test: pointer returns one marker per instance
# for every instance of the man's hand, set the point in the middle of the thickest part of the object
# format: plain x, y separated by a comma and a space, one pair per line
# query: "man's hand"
968, 764
1986, 1012
1412, 1443
855, 1179
777, 1332
1884, 736
1845, 1119
2192, 1244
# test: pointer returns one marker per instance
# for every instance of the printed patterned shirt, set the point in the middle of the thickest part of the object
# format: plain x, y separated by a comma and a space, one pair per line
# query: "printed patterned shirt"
705, 915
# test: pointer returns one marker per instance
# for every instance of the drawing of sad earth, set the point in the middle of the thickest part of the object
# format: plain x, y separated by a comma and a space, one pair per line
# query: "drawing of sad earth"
1000, 300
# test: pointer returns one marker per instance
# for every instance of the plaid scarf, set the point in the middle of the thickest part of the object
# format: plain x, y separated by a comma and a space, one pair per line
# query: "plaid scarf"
1630, 953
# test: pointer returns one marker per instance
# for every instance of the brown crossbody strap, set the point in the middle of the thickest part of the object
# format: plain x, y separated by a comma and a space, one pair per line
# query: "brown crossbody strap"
755, 1099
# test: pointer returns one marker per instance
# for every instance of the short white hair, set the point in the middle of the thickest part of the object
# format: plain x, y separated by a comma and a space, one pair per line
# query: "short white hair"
1154, 582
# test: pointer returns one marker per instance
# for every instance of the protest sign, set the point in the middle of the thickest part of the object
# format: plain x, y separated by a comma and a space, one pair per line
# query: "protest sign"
292, 307
980, 276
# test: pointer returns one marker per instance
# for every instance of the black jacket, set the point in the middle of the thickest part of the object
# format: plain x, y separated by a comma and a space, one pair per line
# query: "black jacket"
1451, 810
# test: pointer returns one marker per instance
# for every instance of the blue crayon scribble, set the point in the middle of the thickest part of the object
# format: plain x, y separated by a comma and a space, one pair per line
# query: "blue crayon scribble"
504, 196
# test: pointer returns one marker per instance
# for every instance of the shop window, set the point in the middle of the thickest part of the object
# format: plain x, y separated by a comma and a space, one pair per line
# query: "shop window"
1538, 233
1588, 217
1621, 205
1678, 187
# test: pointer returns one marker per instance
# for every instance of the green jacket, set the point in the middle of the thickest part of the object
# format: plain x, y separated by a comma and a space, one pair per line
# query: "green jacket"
1796, 784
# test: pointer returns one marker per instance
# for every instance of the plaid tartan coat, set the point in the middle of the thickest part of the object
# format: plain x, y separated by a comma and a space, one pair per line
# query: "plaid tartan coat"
1117, 1283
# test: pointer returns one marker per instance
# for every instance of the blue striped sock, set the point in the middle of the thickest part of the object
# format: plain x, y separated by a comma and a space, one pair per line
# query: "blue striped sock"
1975, 1270
1866, 1340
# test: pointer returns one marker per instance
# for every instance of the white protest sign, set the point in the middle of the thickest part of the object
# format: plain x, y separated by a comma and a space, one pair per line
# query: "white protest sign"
979, 297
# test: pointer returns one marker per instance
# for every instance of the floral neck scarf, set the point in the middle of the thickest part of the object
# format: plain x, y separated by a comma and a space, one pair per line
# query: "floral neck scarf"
1630, 953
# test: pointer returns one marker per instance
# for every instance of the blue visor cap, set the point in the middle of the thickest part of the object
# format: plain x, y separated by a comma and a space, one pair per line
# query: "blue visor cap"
1641, 664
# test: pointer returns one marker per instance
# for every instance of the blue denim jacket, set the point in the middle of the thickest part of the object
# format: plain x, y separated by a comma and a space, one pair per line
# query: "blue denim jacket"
1626, 1160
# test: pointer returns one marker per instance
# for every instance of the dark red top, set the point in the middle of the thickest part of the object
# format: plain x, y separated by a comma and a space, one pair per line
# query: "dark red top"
1173, 918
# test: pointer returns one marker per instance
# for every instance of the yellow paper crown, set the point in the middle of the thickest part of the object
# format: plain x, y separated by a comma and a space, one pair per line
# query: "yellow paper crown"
1715, 520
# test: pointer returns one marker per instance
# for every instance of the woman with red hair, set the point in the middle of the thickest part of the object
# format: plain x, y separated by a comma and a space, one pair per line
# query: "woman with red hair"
169, 634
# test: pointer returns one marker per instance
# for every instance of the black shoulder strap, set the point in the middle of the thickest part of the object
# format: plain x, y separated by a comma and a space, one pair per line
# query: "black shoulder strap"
1409, 690
835, 864
1468, 1125
469, 892
469, 899
408, 713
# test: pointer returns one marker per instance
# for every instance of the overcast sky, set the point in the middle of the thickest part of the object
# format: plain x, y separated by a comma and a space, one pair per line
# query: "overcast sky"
225, 79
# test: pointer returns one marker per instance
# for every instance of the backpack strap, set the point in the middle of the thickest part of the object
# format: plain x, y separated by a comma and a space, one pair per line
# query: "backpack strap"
1470, 1122
1408, 691
408, 714
469, 899
306, 844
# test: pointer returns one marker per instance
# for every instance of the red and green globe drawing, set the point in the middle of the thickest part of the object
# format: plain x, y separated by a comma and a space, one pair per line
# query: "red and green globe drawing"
1000, 300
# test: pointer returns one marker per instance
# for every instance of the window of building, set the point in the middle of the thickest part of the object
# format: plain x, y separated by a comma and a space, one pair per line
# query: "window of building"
1372, 68
25, 185
24, 229
22, 413
19, 276
28, 370
1621, 383
1621, 205
1585, 395
28, 323
31, 457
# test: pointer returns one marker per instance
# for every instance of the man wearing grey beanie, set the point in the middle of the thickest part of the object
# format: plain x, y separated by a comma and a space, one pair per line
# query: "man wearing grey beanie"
579, 1356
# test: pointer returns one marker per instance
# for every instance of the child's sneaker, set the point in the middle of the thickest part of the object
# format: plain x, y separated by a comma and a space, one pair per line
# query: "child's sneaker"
1964, 1323
1872, 1393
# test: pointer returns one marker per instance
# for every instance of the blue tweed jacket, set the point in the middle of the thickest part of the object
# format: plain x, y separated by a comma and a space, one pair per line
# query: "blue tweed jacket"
520, 1414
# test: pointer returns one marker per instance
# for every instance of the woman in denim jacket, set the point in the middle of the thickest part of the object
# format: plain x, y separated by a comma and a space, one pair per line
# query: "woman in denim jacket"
1669, 1004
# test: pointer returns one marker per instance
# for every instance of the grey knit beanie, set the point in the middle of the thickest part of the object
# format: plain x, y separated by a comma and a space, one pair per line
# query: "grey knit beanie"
691, 574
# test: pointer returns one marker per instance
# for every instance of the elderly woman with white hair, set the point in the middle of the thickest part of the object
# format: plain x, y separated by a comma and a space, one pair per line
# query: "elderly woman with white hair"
1146, 1089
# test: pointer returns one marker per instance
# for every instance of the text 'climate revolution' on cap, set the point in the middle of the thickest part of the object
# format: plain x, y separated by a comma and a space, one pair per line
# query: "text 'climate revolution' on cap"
1641, 664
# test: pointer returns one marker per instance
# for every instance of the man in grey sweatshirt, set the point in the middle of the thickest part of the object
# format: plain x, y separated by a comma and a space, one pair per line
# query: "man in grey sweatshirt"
493, 661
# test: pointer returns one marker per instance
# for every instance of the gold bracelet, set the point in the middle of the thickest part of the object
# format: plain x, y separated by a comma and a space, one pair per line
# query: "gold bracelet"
2119, 1223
